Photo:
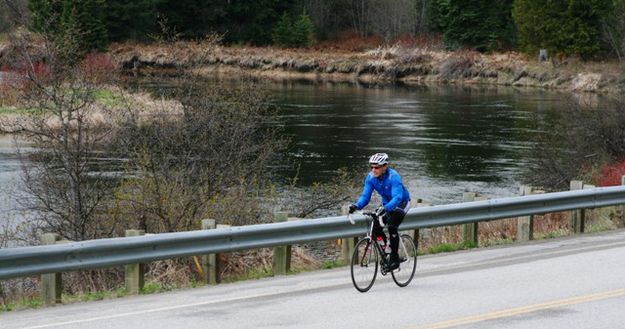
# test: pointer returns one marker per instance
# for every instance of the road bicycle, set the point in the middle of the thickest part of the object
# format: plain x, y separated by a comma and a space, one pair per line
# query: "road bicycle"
369, 254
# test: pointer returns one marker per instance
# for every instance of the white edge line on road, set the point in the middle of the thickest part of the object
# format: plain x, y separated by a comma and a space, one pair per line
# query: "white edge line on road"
119, 315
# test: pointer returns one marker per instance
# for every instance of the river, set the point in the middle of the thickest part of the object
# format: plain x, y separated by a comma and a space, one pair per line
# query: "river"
444, 140
10, 212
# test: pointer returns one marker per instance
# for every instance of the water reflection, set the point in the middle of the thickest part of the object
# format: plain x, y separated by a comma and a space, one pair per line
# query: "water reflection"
445, 139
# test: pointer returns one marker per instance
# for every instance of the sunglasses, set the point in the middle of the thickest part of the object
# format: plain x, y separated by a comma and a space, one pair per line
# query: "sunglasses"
376, 167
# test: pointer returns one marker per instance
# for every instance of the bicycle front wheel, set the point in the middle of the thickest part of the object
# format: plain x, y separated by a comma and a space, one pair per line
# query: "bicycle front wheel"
364, 265
408, 261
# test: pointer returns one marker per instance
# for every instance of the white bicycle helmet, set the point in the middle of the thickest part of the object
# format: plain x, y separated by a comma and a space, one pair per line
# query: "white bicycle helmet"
379, 159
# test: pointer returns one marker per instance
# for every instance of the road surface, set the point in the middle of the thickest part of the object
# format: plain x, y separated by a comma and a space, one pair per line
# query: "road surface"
576, 282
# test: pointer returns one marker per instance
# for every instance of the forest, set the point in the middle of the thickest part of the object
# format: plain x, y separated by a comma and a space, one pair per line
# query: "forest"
589, 29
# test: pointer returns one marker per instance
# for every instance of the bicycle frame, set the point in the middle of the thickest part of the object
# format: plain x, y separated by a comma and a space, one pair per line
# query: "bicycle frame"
364, 260
369, 236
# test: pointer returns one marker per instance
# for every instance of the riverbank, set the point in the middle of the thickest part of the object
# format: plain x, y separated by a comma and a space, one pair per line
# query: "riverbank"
409, 65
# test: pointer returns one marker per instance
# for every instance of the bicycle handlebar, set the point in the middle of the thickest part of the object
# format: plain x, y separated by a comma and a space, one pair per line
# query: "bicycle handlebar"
366, 213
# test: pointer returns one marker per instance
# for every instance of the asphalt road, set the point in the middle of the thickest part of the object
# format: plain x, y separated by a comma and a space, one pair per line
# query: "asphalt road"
564, 283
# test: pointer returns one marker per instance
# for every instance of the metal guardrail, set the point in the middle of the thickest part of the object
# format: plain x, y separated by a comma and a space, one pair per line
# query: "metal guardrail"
24, 261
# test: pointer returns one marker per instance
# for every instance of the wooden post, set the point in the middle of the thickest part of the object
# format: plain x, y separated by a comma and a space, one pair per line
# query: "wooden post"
134, 273
623, 206
469, 230
587, 214
347, 244
4, 300
210, 262
281, 254
577, 216
415, 234
51, 284
525, 224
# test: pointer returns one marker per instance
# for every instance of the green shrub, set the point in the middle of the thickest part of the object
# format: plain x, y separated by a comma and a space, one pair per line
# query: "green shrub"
293, 34
282, 31
562, 27
302, 35
79, 24
477, 24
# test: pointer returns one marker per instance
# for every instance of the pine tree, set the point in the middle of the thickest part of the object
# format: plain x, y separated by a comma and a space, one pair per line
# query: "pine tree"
303, 31
80, 23
483, 25
282, 32
565, 27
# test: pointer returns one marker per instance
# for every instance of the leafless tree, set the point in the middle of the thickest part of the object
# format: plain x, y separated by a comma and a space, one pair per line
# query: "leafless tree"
586, 137
9, 11
391, 19
323, 199
67, 131
613, 28
217, 146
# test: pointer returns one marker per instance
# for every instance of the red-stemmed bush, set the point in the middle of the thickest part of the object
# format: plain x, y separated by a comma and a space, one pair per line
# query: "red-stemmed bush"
98, 67
611, 174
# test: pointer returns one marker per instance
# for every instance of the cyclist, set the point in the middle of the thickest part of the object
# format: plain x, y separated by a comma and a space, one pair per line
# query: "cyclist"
395, 201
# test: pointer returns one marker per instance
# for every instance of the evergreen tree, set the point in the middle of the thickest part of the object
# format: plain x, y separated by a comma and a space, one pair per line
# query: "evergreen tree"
302, 35
193, 18
282, 35
479, 24
564, 26
296, 34
79, 22
90, 21
253, 21
45, 15
134, 20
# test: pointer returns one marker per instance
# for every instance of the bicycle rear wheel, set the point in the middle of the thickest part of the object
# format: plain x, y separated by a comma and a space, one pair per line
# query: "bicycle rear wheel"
364, 265
408, 258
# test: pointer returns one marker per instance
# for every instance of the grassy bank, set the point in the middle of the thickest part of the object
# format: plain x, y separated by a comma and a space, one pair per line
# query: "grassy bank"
397, 63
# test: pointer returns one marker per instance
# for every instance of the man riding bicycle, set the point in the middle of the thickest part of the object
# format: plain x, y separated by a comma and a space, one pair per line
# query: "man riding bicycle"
395, 201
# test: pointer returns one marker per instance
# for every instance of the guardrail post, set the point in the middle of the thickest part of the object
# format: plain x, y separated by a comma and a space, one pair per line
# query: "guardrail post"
51, 284
587, 214
210, 262
415, 234
623, 206
525, 224
577, 216
469, 230
281, 254
134, 273
4, 299
347, 244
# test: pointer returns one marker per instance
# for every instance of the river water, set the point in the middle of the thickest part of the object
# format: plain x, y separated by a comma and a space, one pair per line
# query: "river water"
10, 212
444, 140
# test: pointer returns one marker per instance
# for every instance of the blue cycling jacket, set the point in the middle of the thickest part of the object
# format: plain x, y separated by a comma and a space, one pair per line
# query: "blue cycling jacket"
389, 186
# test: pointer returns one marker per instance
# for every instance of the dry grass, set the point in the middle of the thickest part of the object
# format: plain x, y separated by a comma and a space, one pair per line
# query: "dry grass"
464, 64
349, 41
413, 59
504, 231
8, 96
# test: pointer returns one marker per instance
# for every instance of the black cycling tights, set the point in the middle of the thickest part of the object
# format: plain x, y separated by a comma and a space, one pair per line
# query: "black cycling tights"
392, 221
